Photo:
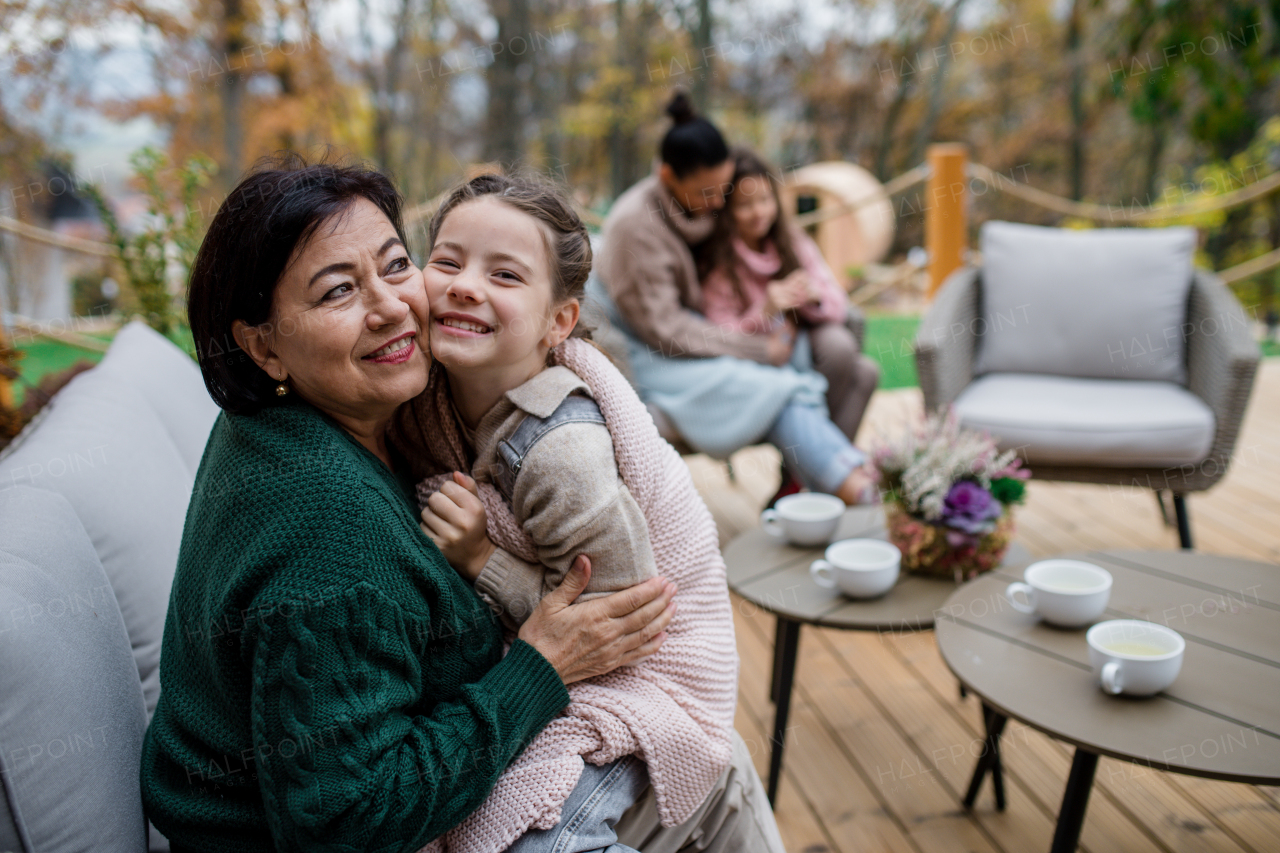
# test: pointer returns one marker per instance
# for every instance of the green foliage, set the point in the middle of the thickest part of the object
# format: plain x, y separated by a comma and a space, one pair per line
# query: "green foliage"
1008, 490
155, 261
1213, 56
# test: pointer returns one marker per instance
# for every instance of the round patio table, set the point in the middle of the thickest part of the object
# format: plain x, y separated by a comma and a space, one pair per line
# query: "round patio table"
1220, 719
775, 576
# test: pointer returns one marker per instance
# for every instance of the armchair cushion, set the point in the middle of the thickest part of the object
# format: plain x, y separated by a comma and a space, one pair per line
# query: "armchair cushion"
72, 717
1103, 304
1062, 420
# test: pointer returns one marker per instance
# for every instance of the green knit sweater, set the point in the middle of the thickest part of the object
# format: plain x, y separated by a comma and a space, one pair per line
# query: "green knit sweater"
328, 681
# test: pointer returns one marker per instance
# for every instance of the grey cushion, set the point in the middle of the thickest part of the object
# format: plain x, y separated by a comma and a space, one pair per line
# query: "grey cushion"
72, 717
104, 449
1105, 304
1096, 422
171, 382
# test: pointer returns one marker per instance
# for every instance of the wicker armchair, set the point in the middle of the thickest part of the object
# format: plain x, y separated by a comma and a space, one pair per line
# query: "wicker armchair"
1221, 362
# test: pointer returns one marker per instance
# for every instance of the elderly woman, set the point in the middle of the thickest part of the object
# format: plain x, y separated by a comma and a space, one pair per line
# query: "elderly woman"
329, 682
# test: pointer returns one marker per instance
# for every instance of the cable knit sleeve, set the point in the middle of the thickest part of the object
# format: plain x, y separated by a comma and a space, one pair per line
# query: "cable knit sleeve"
364, 739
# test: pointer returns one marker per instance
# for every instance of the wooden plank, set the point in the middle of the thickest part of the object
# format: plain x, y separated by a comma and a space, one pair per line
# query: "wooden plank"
1132, 808
1242, 811
954, 741
853, 817
798, 824
931, 823
1115, 819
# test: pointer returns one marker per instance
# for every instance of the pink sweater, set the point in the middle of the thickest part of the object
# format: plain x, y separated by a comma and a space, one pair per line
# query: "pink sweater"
722, 306
675, 710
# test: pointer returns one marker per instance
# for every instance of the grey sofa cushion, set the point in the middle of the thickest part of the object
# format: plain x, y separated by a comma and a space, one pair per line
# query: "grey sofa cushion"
171, 382
104, 449
1096, 422
1105, 304
72, 716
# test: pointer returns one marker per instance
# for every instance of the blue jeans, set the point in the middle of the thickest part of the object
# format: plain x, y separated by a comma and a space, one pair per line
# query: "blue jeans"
591, 812
814, 449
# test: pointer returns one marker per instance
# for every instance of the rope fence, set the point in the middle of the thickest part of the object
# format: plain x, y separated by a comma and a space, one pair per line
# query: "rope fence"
1120, 213
1135, 215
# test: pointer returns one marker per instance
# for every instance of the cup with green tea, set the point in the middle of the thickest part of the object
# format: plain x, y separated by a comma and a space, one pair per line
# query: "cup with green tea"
1134, 657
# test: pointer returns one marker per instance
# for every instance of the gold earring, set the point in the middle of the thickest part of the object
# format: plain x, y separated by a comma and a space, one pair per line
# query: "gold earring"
282, 389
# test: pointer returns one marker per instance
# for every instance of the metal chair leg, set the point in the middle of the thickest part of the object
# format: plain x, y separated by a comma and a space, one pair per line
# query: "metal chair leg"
1164, 507
1184, 521
787, 645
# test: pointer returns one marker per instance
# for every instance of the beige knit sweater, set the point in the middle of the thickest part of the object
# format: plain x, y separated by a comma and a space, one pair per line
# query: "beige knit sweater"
647, 265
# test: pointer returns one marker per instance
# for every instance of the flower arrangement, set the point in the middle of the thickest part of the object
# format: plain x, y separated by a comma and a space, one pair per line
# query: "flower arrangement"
948, 495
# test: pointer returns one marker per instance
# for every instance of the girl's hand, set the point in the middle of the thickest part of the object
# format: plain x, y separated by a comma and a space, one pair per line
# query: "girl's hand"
454, 519
786, 294
600, 635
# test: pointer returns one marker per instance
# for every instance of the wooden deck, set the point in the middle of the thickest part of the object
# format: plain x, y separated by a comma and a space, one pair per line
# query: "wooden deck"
881, 744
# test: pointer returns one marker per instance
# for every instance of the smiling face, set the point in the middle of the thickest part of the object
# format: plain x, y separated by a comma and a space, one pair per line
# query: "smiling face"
754, 208
346, 318
489, 284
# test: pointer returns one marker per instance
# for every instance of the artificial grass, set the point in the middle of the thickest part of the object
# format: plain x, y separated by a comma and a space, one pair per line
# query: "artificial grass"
41, 357
889, 338
889, 343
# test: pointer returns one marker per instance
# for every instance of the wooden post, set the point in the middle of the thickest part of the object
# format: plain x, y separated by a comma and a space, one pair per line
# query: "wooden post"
6, 384
946, 219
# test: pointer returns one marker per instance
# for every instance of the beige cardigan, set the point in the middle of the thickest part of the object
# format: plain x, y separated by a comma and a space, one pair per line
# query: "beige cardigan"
568, 497
647, 265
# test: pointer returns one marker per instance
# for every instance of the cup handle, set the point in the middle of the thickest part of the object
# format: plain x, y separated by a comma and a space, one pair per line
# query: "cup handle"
1019, 587
1111, 677
820, 571
769, 521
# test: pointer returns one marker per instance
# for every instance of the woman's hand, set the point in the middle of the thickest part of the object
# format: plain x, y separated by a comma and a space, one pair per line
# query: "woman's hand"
454, 519
600, 635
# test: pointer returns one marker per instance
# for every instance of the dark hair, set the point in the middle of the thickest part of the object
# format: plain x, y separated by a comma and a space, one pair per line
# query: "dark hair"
717, 252
567, 241
692, 143
265, 219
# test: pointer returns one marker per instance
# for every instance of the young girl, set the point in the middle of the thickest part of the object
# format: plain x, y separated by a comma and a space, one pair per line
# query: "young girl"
761, 275
564, 460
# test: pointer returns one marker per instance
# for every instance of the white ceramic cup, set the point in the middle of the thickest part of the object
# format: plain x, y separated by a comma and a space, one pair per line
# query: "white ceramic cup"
859, 568
1134, 657
809, 518
1066, 593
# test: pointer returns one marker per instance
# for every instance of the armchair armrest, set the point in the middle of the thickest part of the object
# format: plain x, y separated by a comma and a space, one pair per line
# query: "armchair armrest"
1222, 358
856, 322
946, 342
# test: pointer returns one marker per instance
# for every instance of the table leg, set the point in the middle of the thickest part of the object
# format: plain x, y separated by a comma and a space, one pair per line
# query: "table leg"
787, 645
994, 722
1074, 801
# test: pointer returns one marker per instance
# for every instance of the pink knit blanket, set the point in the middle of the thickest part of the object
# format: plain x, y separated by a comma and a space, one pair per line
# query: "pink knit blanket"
675, 709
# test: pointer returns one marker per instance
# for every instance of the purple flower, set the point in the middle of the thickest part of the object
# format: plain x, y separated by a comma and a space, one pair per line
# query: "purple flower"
970, 508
